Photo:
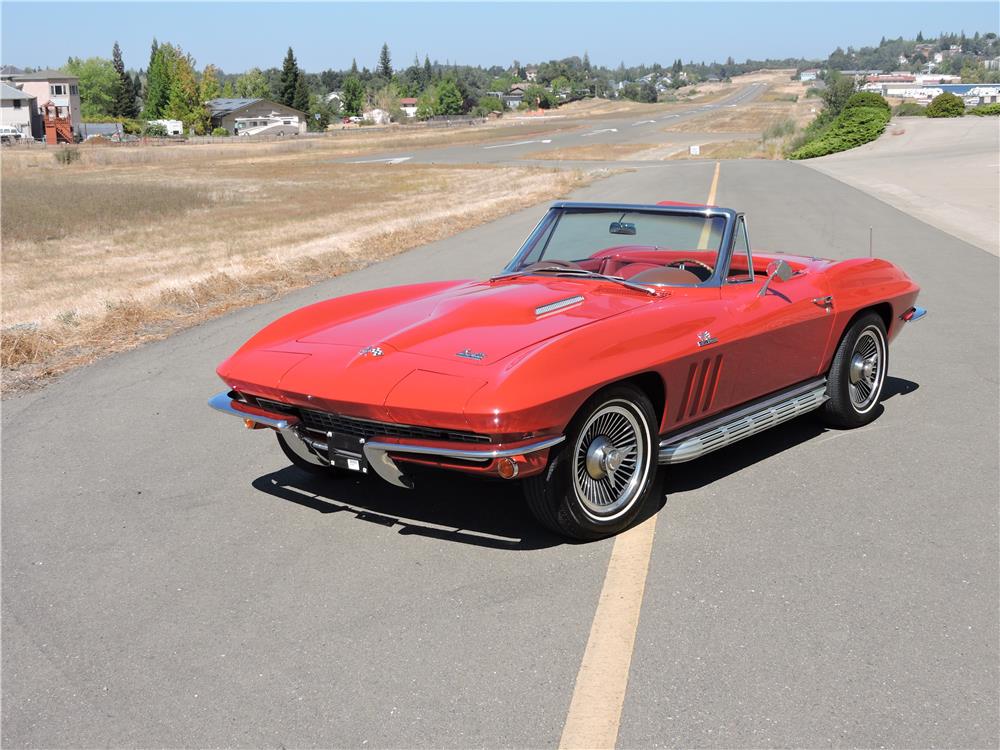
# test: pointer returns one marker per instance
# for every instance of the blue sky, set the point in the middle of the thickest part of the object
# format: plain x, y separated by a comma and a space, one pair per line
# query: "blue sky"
327, 35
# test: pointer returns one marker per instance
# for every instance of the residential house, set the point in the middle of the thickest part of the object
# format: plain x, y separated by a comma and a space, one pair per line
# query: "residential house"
19, 110
531, 74
512, 100
409, 106
811, 74
50, 86
236, 115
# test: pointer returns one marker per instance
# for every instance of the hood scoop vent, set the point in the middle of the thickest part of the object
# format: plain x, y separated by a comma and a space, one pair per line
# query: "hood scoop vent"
558, 305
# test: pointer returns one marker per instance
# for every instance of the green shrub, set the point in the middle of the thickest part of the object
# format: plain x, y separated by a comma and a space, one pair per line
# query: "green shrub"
155, 130
853, 127
220, 132
985, 110
946, 105
67, 156
867, 99
909, 109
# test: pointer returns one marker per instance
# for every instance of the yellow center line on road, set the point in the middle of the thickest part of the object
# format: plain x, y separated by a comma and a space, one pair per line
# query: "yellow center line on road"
599, 693
707, 229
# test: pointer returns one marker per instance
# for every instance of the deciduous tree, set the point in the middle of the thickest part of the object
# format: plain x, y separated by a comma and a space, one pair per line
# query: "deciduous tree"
252, 85
353, 95
98, 86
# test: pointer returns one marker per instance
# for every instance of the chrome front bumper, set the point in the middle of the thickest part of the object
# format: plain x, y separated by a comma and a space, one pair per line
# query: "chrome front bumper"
377, 451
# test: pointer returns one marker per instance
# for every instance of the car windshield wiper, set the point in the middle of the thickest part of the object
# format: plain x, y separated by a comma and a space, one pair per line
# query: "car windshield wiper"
568, 271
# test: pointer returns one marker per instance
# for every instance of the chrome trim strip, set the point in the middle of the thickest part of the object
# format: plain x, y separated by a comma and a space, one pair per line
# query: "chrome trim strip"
918, 313
222, 402
377, 453
558, 305
750, 420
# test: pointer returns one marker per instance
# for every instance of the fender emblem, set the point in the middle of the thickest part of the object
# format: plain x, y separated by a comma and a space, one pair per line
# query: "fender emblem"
469, 354
705, 338
375, 351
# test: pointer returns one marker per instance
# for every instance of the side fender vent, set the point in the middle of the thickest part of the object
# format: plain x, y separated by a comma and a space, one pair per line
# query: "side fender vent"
702, 383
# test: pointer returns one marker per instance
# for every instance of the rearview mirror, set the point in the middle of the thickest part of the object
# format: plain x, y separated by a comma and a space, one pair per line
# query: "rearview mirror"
622, 227
776, 269
780, 269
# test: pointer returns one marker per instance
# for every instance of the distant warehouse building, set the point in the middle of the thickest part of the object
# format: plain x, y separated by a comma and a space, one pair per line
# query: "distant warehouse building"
255, 117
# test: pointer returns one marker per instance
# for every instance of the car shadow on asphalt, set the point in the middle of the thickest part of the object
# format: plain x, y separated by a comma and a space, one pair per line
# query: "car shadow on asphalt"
744, 454
491, 513
446, 506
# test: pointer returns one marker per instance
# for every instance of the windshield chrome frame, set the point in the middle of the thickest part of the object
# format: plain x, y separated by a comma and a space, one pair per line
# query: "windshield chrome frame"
709, 212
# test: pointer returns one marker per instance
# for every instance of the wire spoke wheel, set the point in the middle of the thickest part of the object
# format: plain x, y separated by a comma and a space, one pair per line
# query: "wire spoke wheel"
610, 460
867, 369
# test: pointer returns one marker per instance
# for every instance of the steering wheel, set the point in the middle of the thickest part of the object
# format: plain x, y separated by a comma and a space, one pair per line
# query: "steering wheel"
680, 264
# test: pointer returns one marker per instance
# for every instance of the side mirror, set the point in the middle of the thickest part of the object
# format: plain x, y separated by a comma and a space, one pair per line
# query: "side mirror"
776, 269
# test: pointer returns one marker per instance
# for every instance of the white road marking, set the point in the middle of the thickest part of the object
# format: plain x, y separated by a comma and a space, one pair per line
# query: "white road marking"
596, 132
669, 116
642, 122
390, 160
519, 143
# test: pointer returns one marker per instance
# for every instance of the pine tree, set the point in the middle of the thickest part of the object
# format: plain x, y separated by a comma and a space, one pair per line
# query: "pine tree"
920, 36
384, 68
300, 98
124, 94
137, 86
289, 79
428, 71
354, 66
586, 62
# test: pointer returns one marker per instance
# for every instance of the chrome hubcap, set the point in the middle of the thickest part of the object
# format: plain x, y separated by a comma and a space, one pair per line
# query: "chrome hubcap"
610, 464
867, 370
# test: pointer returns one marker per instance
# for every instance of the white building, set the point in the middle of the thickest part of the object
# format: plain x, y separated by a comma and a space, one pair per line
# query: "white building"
16, 108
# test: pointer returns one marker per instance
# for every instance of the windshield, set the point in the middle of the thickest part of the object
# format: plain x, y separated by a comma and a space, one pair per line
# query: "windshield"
639, 246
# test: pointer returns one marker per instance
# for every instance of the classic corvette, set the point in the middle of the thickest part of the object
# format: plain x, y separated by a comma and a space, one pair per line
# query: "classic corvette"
619, 338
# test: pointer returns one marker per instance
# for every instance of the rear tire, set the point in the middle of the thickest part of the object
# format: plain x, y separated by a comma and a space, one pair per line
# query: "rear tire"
857, 374
601, 477
297, 452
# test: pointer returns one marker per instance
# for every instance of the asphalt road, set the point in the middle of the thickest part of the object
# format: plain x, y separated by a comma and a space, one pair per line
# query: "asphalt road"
168, 580
647, 127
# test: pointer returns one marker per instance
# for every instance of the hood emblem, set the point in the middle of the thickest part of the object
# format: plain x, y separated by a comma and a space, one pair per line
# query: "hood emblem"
375, 351
469, 354
705, 338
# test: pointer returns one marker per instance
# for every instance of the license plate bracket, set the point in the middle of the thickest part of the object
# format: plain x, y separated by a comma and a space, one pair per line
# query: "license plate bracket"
345, 452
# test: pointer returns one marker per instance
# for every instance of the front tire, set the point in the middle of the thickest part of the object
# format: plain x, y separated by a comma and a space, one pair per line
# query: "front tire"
857, 374
598, 481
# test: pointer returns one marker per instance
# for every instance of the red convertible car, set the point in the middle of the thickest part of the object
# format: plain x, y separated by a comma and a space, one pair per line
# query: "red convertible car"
620, 337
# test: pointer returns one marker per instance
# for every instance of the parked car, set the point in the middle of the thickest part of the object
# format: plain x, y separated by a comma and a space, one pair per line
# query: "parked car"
618, 339
10, 134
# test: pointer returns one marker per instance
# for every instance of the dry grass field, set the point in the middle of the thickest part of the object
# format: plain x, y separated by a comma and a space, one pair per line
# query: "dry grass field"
594, 152
337, 144
99, 258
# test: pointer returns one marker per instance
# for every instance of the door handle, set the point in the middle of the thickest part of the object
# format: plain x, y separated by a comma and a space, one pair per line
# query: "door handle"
826, 302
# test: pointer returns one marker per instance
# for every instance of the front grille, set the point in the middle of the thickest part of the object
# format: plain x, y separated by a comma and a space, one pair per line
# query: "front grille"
338, 424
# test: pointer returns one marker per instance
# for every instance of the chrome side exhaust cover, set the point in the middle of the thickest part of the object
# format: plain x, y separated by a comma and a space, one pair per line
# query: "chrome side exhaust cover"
735, 426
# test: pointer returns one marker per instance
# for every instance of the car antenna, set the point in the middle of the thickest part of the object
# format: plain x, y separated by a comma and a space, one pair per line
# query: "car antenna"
871, 232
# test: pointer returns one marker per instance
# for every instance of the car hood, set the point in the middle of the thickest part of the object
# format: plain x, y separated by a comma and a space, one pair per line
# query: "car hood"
482, 322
